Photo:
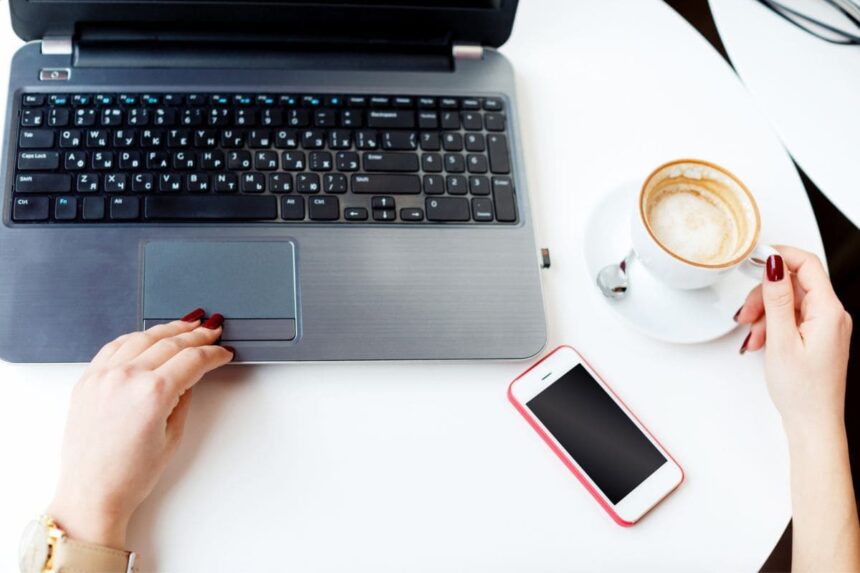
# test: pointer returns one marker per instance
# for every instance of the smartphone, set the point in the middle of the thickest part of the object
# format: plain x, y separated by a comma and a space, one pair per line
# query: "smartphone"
597, 437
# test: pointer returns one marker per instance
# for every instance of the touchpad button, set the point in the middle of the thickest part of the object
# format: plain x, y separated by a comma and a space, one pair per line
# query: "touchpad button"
252, 283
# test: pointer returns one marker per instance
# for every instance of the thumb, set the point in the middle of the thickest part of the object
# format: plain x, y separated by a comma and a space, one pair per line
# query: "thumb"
778, 295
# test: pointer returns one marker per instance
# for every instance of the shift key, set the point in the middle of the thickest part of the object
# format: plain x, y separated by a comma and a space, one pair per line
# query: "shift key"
43, 183
32, 160
386, 184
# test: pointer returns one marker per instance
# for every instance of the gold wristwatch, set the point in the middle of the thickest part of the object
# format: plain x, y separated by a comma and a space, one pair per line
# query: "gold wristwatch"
45, 548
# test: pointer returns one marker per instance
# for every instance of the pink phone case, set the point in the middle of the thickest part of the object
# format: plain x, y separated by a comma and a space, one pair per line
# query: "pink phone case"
563, 455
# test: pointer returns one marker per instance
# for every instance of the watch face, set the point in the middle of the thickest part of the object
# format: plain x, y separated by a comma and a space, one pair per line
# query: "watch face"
33, 551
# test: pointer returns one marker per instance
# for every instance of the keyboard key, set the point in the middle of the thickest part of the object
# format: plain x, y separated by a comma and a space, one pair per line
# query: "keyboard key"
280, 183
94, 209
413, 214
293, 208
482, 209
479, 185
434, 185
36, 138
494, 122
308, 183
399, 140
471, 121
447, 209
355, 214
323, 208
503, 193
384, 215
492, 104
390, 162
431, 162
37, 160
450, 120
65, 208
391, 119
43, 183
476, 163
33, 99
382, 202
456, 184
200, 207
30, 209
32, 118
124, 208
428, 119
497, 149
334, 183
386, 184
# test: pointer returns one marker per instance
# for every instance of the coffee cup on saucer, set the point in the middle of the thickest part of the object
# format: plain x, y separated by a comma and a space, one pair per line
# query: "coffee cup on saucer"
694, 222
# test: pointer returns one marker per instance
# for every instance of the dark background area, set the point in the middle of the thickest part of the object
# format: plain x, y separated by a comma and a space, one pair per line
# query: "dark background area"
842, 249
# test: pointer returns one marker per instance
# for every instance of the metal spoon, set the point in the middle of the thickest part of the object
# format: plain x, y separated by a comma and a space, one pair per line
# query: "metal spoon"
612, 279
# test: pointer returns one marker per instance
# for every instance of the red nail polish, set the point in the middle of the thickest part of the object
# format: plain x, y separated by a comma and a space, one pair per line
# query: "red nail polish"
214, 321
231, 349
746, 341
775, 268
194, 315
737, 314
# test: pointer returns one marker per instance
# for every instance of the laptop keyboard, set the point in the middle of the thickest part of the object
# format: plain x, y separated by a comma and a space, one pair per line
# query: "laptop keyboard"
137, 158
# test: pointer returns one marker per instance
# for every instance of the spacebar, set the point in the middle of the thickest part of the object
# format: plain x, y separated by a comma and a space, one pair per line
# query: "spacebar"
209, 207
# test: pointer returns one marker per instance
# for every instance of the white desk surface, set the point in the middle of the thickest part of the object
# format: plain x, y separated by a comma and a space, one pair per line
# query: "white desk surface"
426, 467
807, 88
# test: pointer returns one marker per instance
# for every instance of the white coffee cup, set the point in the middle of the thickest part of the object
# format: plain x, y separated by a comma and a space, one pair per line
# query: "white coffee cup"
693, 222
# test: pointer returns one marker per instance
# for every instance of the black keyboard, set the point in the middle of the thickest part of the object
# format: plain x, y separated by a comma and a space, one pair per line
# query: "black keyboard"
136, 158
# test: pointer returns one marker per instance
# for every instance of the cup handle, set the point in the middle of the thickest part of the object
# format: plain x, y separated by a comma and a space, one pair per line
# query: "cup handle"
755, 263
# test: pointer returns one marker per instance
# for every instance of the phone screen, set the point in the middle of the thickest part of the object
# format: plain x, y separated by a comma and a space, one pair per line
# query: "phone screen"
596, 433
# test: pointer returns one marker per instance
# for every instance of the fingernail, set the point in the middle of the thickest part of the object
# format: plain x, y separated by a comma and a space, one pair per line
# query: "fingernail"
231, 349
214, 321
194, 315
775, 268
737, 314
746, 341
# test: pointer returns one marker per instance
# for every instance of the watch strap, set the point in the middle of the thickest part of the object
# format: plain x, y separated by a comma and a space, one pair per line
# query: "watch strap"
73, 556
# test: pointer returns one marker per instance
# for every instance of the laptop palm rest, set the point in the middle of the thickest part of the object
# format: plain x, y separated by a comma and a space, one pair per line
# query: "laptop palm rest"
251, 283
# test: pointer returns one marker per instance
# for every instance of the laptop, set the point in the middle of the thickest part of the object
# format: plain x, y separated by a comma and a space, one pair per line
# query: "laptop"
341, 180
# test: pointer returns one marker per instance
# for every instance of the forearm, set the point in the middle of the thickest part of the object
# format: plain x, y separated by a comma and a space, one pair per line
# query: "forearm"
826, 533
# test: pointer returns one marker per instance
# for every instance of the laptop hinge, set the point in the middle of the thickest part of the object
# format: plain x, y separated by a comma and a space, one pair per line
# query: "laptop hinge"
57, 45
464, 51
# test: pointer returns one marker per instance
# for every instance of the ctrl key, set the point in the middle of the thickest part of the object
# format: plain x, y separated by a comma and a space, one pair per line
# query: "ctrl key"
30, 209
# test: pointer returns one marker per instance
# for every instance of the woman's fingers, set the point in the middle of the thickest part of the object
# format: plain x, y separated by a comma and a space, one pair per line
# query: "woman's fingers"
753, 308
176, 420
756, 337
190, 364
168, 347
809, 271
137, 342
778, 296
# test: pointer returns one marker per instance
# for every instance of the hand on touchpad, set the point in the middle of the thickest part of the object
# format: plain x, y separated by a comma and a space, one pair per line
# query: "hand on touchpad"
251, 283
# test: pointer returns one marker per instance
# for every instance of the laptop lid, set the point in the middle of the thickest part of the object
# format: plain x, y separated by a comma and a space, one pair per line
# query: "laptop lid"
377, 23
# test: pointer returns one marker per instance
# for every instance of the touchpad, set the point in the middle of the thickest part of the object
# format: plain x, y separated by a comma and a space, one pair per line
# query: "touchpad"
251, 283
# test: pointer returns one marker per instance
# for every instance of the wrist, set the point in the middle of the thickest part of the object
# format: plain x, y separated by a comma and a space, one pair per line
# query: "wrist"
812, 432
90, 524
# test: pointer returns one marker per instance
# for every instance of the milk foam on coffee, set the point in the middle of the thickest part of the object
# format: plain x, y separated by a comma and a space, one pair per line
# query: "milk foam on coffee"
700, 214
694, 224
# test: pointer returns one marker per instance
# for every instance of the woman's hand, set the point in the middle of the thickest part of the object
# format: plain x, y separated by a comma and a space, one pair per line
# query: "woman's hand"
126, 418
808, 334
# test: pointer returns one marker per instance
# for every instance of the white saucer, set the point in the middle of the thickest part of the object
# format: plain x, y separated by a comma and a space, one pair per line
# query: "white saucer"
672, 315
